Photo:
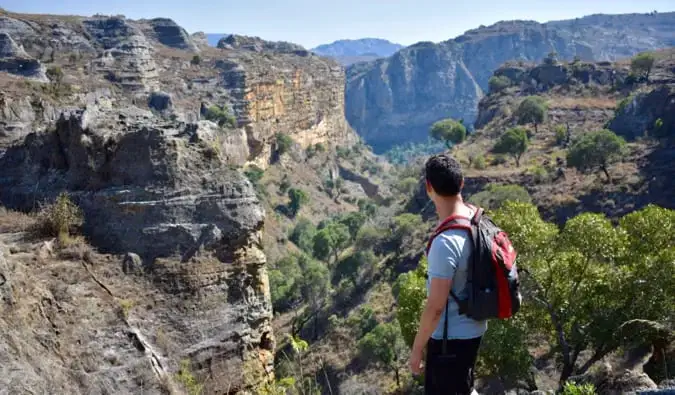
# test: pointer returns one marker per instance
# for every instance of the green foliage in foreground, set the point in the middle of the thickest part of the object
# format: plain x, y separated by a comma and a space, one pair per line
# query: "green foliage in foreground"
580, 284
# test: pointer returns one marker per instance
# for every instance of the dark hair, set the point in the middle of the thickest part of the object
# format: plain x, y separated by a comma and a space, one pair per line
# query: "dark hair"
444, 174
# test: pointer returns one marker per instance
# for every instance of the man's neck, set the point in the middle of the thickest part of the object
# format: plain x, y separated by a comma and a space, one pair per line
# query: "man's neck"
448, 206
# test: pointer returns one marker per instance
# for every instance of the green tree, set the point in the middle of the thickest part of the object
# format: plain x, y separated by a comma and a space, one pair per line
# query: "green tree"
221, 116
642, 64
449, 131
353, 221
588, 279
405, 228
298, 199
285, 277
331, 239
596, 150
532, 109
407, 186
196, 60
303, 235
369, 237
367, 207
498, 83
513, 142
384, 345
411, 293
284, 143
503, 352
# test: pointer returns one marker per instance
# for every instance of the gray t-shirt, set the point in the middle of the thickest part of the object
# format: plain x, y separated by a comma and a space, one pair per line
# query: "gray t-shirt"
448, 258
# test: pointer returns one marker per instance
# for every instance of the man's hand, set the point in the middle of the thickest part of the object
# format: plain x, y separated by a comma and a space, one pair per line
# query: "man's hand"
416, 362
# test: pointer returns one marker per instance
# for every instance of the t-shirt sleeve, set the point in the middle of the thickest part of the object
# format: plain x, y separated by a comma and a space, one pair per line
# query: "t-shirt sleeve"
443, 256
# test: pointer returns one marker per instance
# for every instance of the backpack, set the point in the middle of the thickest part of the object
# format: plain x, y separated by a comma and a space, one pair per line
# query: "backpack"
492, 279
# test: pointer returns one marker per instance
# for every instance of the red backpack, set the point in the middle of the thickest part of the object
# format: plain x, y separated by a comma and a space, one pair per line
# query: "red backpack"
492, 279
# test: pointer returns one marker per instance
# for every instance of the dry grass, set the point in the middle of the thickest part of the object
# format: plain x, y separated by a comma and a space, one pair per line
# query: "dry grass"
14, 221
582, 103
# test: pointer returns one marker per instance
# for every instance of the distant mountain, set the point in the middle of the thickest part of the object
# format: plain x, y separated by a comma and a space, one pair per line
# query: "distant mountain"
352, 51
213, 38
395, 100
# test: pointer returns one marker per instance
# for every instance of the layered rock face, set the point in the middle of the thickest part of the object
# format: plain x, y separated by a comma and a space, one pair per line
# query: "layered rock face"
162, 190
395, 100
14, 60
159, 191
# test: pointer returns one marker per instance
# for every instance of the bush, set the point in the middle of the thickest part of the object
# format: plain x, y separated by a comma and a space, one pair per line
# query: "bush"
55, 75
560, 134
498, 83
578, 389
284, 143
303, 235
494, 196
60, 218
196, 60
479, 162
221, 116
298, 199
254, 174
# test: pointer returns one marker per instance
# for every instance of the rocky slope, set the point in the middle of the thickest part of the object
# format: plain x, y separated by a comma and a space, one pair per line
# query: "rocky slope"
581, 97
120, 124
395, 100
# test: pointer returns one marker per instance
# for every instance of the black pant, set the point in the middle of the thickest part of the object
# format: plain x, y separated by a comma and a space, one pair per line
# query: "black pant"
452, 373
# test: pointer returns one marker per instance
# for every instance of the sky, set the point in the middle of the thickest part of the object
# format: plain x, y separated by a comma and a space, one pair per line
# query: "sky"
314, 22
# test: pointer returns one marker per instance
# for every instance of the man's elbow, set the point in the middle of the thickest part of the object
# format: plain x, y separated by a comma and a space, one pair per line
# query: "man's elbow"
436, 311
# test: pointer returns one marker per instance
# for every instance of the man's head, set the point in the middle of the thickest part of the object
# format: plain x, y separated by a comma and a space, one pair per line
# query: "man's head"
444, 178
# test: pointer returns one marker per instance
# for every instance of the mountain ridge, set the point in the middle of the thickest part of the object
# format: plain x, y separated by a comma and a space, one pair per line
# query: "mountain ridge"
394, 100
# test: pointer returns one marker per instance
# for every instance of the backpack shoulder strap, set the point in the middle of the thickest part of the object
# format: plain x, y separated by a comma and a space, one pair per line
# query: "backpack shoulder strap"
452, 222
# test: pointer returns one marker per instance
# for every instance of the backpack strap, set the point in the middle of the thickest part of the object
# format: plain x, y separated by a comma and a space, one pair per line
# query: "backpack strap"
456, 222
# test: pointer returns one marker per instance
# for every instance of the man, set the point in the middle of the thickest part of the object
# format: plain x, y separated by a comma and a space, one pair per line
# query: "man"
448, 260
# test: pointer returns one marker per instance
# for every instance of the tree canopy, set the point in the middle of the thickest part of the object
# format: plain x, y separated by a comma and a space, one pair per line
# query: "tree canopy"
449, 131
596, 150
532, 109
513, 142
642, 64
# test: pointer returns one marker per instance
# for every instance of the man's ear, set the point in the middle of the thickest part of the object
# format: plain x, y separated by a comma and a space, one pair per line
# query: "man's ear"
461, 185
428, 186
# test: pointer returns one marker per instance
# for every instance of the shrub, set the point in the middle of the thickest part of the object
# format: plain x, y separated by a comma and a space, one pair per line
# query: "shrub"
479, 162
560, 134
578, 389
303, 235
284, 143
60, 218
369, 237
196, 60
540, 174
498, 83
298, 199
55, 75
254, 174
221, 116
187, 378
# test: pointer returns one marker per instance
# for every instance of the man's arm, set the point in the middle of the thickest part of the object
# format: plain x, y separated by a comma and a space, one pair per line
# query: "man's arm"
438, 297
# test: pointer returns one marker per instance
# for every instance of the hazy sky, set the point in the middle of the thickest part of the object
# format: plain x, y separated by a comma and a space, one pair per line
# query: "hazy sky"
313, 22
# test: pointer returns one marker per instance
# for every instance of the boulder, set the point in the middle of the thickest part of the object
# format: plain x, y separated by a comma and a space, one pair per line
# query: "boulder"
639, 114
143, 188
169, 33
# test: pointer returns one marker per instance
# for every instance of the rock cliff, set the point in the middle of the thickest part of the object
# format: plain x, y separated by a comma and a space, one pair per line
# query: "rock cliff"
395, 100
148, 130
